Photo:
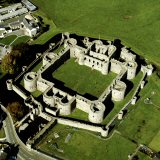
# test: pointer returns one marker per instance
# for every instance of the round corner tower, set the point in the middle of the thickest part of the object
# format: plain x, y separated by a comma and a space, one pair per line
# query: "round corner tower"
30, 81
118, 91
96, 113
9, 83
48, 98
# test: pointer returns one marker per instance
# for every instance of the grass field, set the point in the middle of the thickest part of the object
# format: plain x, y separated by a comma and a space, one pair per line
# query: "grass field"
37, 67
155, 143
8, 39
13, 40
36, 93
143, 156
85, 144
21, 39
142, 124
136, 23
82, 78
78, 114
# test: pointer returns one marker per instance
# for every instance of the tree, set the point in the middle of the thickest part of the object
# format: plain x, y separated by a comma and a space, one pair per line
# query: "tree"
10, 62
23, 48
16, 110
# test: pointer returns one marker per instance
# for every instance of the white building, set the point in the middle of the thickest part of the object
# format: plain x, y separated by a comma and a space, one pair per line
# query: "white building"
31, 26
29, 5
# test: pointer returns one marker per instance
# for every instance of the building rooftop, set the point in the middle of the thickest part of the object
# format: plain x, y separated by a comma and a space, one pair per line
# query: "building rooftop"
29, 5
13, 14
11, 7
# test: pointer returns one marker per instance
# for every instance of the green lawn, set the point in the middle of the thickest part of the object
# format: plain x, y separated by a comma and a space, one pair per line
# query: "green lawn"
155, 143
143, 123
57, 51
143, 156
136, 23
79, 114
36, 93
23, 39
8, 39
82, 78
85, 144
37, 67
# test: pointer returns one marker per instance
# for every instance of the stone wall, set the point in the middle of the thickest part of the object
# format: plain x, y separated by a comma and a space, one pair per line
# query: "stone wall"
131, 70
83, 103
60, 102
96, 112
77, 124
39, 135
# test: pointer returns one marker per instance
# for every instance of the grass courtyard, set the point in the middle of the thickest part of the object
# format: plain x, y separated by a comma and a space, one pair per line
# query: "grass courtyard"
78, 114
82, 78
86, 144
136, 24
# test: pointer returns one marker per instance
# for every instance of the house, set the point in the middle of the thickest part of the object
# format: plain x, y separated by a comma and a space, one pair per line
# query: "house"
13, 13
30, 6
28, 24
10, 8
15, 25
31, 26
2, 32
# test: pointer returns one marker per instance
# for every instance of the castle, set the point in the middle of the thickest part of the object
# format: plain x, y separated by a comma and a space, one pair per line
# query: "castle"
98, 56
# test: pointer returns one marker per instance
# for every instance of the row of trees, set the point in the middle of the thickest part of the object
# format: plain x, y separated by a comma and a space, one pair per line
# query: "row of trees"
12, 61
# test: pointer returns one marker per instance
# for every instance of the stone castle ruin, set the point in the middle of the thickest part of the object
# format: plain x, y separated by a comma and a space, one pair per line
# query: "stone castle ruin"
98, 56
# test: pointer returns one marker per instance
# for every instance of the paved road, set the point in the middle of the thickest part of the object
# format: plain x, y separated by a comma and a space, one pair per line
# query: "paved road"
12, 137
